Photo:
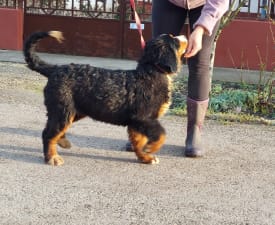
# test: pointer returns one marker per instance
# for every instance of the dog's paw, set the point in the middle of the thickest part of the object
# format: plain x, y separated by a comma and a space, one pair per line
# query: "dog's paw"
55, 160
64, 143
149, 159
155, 160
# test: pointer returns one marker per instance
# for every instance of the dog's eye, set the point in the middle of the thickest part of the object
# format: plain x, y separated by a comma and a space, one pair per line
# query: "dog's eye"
174, 43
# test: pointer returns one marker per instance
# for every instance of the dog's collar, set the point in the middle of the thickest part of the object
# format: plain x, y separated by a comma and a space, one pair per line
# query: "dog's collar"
160, 69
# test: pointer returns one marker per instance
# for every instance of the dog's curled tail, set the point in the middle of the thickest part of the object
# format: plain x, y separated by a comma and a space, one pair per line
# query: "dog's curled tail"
32, 59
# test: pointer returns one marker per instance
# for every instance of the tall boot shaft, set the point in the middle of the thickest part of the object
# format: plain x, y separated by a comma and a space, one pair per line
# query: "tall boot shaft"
196, 111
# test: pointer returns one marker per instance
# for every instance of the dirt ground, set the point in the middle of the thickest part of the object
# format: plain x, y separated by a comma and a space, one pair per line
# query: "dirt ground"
100, 183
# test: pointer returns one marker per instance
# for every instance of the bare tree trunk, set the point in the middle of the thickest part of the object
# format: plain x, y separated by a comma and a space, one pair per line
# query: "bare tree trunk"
225, 20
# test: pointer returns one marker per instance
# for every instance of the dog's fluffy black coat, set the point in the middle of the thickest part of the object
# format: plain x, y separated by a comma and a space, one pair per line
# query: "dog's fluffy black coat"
133, 98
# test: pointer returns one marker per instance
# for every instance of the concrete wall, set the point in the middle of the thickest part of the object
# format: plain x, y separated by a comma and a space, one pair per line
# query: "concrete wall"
11, 27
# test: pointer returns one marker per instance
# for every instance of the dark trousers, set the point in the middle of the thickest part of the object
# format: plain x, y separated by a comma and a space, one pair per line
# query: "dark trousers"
169, 19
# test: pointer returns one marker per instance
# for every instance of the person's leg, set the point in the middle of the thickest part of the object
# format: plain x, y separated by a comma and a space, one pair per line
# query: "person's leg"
198, 90
167, 18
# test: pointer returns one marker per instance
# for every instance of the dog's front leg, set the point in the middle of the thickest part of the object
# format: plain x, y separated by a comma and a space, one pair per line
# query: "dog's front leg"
146, 138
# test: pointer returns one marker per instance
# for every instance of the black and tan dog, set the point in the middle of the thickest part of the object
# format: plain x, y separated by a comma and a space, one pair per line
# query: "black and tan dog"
132, 98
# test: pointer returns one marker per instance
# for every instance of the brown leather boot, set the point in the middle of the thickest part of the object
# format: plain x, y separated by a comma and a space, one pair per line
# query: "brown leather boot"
196, 111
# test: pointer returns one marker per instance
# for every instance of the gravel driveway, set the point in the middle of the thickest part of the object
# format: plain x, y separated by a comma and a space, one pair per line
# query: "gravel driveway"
102, 184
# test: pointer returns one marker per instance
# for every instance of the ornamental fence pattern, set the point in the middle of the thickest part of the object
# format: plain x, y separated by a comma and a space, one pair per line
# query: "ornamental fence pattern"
111, 9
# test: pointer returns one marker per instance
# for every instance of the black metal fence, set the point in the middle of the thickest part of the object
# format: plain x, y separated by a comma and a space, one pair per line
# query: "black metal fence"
255, 9
102, 9
13, 4
74, 8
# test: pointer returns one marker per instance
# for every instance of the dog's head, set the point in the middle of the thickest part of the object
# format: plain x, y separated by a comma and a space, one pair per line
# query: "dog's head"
165, 52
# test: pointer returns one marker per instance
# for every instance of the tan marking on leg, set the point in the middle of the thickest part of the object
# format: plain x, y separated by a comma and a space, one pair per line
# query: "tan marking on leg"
53, 158
155, 146
63, 142
139, 141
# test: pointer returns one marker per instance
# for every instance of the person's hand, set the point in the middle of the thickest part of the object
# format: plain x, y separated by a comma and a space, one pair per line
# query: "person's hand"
194, 42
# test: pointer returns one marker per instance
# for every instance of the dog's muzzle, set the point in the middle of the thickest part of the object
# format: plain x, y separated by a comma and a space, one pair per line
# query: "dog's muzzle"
182, 38
183, 42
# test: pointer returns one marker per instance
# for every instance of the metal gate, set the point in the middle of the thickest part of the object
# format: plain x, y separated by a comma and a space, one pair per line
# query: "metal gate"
103, 28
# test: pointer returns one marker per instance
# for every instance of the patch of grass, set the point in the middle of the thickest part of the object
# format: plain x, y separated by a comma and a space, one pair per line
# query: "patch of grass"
230, 102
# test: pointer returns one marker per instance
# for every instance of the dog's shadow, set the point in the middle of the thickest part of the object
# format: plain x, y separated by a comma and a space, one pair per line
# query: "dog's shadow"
33, 155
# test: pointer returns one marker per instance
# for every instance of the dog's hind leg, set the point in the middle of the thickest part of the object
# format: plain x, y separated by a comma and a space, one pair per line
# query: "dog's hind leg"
63, 142
55, 129
139, 141
146, 137
154, 146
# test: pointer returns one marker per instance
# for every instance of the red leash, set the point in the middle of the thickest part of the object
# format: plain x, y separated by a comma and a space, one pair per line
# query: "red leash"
138, 23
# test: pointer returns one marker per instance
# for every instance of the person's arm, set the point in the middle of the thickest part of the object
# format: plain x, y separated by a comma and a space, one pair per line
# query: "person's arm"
194, 42
212, 11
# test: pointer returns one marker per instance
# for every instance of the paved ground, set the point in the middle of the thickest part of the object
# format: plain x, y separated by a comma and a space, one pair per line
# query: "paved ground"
102, 184
223, 74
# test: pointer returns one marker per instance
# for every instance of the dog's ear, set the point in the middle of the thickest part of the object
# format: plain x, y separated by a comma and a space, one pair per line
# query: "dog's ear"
162, 53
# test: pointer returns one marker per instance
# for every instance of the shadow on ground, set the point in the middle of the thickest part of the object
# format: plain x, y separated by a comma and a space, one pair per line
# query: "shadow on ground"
30, 154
